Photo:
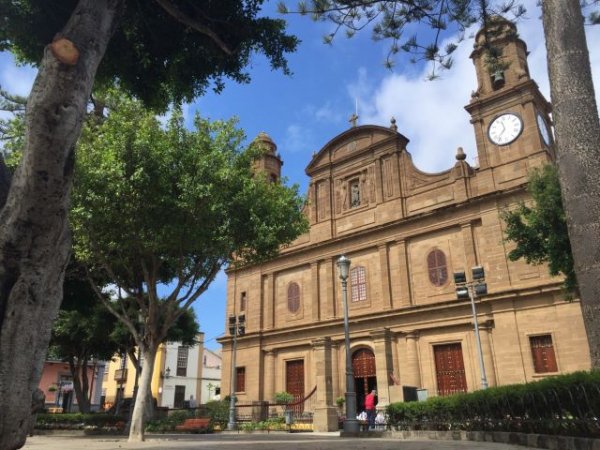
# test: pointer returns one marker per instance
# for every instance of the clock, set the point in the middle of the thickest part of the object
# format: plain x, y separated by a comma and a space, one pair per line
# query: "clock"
544, 131
505, 128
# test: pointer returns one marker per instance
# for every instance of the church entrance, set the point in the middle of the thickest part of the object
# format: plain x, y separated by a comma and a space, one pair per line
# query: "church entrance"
365, 377
294, 382
450, 369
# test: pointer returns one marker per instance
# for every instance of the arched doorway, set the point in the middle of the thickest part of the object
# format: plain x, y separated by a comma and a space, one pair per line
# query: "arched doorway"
365, 378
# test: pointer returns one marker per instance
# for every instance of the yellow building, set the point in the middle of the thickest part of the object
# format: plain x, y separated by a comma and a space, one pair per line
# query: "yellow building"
176, 379
406, 232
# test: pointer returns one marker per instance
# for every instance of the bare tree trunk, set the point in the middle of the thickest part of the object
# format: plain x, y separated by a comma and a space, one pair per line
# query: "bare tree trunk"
34, 236
578, 151
80, 383
136, 432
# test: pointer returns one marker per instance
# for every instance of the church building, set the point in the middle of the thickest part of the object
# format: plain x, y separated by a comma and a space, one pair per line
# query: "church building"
406, 232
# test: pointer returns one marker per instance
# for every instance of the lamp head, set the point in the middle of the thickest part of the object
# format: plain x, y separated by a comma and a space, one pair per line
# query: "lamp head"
343, 264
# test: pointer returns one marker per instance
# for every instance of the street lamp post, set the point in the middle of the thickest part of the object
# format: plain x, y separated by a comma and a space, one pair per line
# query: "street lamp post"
237, 326
472, 289
351, 424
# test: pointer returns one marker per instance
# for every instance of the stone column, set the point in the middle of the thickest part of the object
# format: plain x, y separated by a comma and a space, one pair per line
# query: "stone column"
469, 245
386, 298
383, 363
485, 332
269, 319
325, 417
315, 302
335, 369
412, 376
404, 275
269, 381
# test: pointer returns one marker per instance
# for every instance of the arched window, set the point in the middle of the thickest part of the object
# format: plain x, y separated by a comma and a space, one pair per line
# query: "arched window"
358, 283
436, 266
293, 297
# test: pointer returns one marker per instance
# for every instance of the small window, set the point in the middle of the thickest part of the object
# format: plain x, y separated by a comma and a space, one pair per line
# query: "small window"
436, 266
243, 300
182, 361
293, 297
542, 351
358, 283
240, 379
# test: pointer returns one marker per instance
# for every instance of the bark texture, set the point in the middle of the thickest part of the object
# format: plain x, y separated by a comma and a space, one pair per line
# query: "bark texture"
136, 432
34, 236
578, 151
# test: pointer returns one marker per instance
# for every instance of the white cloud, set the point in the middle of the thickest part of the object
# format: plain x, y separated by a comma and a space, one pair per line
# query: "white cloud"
295, 139
17, 80
430, 113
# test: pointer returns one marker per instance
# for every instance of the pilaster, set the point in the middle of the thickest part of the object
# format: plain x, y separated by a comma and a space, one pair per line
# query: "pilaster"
325, 415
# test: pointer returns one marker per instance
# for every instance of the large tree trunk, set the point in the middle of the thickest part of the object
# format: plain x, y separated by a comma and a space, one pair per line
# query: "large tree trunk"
578, 151
34, 236
80, 383
136, 432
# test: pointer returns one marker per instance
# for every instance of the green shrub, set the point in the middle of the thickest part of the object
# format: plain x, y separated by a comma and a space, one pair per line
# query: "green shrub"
283, 397
78, 421
565, 405
218, 411
168, 423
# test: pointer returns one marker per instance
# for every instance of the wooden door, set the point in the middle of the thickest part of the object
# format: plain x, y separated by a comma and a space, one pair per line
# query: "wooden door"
365, 374
450, 369
294, 381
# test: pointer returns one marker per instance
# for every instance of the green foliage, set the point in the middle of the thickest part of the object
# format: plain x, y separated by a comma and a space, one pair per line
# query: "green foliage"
540, 230
564, 405
77, 420
283, 397
168, 423
393, 20
188, 201
218, 411
155, 56
340, 401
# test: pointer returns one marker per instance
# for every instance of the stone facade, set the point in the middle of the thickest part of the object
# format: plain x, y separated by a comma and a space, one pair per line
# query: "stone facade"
406, 232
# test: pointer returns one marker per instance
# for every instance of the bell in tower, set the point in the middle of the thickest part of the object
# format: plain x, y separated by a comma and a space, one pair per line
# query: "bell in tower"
510, 117
500, 57
269, 163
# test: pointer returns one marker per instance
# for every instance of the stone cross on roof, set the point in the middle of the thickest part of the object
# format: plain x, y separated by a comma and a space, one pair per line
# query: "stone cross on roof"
353, 119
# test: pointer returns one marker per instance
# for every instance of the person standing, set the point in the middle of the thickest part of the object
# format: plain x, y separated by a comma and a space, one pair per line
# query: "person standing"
370, 403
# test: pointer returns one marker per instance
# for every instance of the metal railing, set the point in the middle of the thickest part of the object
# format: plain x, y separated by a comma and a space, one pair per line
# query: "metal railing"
302, 409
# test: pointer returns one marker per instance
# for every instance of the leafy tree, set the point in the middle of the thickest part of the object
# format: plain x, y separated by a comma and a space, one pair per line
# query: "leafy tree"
575, 112
188, 202
82, 331
161, 50
540, 230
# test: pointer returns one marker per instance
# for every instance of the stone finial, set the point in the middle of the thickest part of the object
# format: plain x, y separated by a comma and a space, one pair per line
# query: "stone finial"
460, 154
393, 125
314, 154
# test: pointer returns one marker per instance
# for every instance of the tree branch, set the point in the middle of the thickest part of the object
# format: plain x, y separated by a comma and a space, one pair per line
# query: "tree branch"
176, 13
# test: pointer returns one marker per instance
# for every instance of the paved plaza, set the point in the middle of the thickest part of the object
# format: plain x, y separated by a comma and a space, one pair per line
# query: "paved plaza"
298, 441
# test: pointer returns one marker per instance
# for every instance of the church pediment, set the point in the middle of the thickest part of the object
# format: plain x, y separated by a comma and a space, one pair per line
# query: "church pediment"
351, 143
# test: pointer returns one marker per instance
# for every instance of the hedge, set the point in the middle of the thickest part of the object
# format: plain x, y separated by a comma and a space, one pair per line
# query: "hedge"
562, 405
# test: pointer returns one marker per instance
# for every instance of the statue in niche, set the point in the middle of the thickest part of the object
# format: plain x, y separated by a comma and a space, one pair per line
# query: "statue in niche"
354, 194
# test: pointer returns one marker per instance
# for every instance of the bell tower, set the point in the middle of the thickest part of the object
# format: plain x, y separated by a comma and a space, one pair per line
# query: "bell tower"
510, 116
270, 163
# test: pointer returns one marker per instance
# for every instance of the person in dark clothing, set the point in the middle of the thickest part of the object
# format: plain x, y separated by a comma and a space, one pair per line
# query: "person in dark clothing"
370, 403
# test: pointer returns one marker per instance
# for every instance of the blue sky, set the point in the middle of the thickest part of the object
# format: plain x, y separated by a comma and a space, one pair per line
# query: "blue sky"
303, 112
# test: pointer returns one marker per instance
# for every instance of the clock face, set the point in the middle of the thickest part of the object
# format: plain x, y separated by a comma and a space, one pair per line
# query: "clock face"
543, 127
505, 128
